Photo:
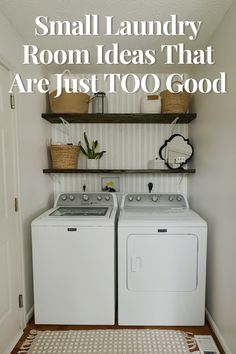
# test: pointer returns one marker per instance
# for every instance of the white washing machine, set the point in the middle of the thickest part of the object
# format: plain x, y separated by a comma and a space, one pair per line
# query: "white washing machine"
162, 246
74, 260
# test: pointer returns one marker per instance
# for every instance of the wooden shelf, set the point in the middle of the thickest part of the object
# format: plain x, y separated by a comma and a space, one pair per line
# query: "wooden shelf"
163, 118
119, 171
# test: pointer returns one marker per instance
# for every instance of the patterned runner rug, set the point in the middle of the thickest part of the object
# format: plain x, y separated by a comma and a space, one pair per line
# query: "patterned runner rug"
115, 341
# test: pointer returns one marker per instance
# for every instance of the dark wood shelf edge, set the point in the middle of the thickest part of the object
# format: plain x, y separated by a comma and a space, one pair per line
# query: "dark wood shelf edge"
119, 171
119, 118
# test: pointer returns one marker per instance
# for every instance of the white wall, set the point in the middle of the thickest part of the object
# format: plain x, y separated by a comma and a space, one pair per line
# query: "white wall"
34, 187
212, 190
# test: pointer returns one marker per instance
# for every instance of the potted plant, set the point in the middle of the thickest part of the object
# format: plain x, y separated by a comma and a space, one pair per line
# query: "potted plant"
90, 152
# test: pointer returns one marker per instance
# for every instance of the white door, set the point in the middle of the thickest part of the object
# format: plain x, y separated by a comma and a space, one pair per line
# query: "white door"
9, 243
162, 262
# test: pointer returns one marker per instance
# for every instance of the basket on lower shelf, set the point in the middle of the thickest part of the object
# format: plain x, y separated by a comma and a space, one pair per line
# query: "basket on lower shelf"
64, 156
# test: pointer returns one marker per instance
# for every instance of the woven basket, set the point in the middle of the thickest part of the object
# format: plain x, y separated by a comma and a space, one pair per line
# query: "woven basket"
69, 102
64, 156
175, 102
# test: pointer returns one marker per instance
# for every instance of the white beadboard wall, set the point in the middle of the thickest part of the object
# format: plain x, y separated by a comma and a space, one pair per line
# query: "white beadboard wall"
128, 146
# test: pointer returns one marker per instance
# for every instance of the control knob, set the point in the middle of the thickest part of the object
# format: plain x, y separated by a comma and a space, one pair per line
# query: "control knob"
154, 198
138, 198
64, 197
130, 198
85, 197
72, 197
107, 197
99, 197
179, 198
171, 198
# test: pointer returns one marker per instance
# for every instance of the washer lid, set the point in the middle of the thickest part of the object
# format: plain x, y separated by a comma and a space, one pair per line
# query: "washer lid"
79, 211
77, 216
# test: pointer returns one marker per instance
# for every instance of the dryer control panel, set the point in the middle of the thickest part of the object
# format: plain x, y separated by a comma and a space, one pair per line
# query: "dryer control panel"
155, 200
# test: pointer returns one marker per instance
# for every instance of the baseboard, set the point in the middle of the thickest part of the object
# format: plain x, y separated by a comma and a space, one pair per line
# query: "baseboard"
29, 314
13, 343
218, 333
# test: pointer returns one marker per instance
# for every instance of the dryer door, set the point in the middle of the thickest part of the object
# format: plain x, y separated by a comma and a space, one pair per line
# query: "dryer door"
162, 262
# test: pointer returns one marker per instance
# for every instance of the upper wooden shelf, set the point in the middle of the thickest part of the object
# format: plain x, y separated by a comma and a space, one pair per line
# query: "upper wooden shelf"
163, 118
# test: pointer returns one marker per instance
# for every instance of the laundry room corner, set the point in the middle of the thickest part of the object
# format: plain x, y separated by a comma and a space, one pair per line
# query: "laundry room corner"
117, 177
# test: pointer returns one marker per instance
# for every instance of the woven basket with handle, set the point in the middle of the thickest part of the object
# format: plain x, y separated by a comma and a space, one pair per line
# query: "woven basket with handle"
64, 156
74, 102
69, 102
173, 102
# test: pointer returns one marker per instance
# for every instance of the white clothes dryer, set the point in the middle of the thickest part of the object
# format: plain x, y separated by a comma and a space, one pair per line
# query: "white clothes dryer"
74, 260
162, 246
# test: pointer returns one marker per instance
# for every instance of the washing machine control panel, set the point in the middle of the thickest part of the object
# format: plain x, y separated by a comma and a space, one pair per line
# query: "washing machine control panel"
82, 199
155, 200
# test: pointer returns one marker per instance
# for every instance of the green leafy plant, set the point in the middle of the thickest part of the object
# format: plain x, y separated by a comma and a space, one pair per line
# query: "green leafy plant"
90, 151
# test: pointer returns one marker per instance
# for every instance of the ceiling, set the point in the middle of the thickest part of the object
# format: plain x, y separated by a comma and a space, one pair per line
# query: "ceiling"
22, 14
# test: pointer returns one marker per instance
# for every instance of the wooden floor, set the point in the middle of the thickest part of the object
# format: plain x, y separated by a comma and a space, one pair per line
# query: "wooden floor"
196, 330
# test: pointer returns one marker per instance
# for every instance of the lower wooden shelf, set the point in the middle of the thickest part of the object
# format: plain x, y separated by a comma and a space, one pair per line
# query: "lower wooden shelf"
119, 171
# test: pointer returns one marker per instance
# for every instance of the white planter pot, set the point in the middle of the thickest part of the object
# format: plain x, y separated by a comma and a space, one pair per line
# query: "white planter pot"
157, 164
92, 164
150, 106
